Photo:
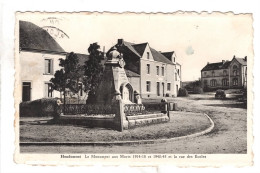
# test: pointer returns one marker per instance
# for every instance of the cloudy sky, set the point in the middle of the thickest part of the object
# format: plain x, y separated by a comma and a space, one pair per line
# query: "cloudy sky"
196, 38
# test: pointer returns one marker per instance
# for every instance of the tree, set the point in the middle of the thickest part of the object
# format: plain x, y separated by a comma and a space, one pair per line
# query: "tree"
69, 76
93, 71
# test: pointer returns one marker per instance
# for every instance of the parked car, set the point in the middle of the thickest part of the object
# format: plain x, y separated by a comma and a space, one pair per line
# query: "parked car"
220, 94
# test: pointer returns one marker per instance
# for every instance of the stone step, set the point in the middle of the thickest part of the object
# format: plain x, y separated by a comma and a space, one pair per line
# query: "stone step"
143, 122
146, 116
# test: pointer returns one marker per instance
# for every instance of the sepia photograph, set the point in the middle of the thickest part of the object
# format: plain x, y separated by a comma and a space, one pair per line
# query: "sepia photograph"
134, 84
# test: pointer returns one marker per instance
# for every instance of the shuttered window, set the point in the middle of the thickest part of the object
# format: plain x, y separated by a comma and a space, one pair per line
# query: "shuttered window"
48, 66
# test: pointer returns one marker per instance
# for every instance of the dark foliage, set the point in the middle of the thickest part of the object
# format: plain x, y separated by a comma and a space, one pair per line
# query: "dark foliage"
38, 108
197, 90
69, 76
93, 71
183, 92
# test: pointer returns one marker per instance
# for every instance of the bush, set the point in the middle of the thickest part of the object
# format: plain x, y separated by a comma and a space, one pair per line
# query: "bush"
197, 90
38, 108
183, 92
167, 95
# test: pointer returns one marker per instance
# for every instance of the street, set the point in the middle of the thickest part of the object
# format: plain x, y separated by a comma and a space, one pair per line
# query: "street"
228, 136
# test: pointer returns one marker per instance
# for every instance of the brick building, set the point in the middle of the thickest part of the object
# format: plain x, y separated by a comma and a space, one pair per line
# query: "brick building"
150, 72
225, 74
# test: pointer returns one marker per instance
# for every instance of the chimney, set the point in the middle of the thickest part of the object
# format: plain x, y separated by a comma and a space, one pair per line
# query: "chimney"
120, 41
245, 58
208, 63
234, 56
223, 61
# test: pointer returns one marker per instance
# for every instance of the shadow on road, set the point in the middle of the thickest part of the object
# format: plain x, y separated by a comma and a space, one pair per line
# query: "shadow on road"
236, 105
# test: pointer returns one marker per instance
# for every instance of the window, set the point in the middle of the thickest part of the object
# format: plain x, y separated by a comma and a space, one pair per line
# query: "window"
148, 55
148, 86
235, 73
225, 82
205, 74
234, 67
168, 86
48, 90
48, 66
176, 77
157, 70
80, 89
178, 71
213, 82
162, 71
205, 82
213, 74
224, 73
235, 82
148, 68
246, 71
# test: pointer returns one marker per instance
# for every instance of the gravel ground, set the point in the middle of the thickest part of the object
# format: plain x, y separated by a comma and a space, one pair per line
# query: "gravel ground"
181, 123
228, 136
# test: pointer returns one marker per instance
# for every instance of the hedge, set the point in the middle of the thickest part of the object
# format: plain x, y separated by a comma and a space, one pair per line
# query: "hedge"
38, 108
197, 90
183, 92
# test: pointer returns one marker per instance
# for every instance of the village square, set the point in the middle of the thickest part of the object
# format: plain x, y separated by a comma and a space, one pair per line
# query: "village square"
130, 97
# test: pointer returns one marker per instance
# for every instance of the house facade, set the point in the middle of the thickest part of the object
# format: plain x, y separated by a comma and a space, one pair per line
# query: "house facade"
151, 73
39, 56
225, 74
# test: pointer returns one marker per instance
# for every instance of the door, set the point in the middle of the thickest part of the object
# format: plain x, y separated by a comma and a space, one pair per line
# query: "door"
158, 88
126, 94
26, 93
163, 89
177, 89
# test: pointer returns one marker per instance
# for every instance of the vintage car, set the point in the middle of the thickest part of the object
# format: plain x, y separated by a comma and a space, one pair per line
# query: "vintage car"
220, 94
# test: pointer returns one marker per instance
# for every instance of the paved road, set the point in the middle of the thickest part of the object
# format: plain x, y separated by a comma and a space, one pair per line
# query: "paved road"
228, 136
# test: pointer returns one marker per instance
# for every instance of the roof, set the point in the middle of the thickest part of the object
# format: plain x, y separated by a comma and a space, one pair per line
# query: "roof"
35, 38
168, 54
130, 73
242, 61
160, 57
138, 49
220, 65
216, 66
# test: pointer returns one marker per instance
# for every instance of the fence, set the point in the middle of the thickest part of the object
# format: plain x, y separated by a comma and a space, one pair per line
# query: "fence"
139, 109
73, 109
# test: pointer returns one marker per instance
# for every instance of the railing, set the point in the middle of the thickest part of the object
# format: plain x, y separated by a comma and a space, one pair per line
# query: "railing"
139, 109
74, 109
155, 106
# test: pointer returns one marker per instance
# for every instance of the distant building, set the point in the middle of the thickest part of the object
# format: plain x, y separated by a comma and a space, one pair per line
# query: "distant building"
151, 73
39, 56
225, 74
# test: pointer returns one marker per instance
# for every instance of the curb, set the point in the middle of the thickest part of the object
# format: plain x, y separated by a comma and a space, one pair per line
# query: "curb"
209, 129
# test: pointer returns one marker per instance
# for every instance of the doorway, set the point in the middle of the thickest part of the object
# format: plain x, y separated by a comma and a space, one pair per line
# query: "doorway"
26, 93
158, 88
163, 89
177, 89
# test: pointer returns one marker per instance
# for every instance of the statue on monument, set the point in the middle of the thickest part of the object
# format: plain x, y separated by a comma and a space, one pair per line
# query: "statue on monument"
115, 84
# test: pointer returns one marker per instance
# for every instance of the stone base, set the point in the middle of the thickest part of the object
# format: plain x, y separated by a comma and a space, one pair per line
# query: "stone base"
143, 120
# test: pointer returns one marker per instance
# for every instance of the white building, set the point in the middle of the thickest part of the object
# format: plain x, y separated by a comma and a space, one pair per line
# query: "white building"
150, 72
39, 56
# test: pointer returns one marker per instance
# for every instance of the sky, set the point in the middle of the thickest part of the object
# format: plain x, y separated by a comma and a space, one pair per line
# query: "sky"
195, 38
